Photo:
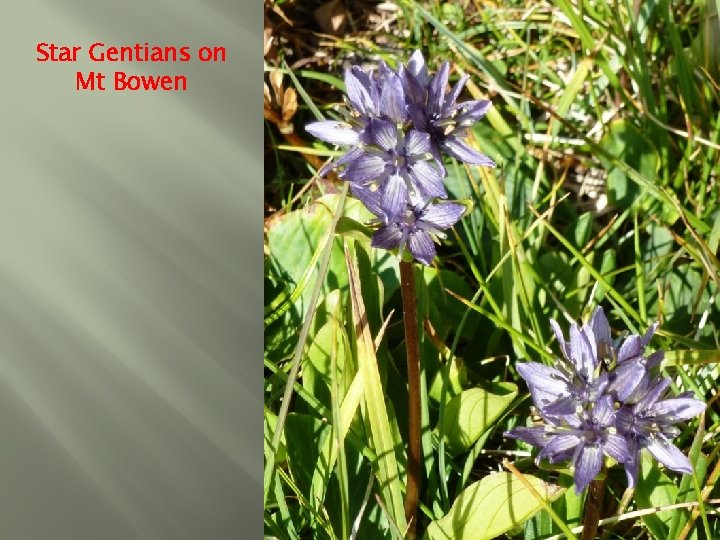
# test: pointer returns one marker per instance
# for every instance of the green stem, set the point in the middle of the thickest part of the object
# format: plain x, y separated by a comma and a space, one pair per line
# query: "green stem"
407, 286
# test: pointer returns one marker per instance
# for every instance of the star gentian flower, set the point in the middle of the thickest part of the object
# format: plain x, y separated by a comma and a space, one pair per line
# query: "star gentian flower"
602, 398
415, 228
397, 165
583, 438
435, 110
575, 379
370, 96
650, 423
397, 126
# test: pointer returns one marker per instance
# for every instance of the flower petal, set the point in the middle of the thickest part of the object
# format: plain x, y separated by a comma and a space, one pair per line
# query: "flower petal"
358, 85
560, 338
417, 143
581, 354
655, 359
414, 90
370, 198
426, 176
416, 66
422, 247
545, 381
333, 132
657, 388
667, 454
616, 447
588, 462
632, 465
436, 89
626, 378
535, 436
451, 98
472, 111
394, 196
560, 444
460, 150
384, 134
674, 410
443, 215
604, 412
631, 348
418, 117
365, 168
564, 407
601, 328
348, 157
387, 237
645, 340
392, 100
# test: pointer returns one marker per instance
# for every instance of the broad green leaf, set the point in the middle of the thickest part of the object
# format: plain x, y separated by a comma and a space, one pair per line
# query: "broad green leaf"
655, 488
293, 239
353, 229
330, 450
457, 377
490, 507
539, 526
469, 414
627, 143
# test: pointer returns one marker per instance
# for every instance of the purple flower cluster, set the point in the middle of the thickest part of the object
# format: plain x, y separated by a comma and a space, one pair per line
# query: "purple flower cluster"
399, 124
604, 398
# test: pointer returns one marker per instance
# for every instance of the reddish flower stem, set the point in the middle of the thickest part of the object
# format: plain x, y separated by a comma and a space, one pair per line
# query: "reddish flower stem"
593, 509
407, 286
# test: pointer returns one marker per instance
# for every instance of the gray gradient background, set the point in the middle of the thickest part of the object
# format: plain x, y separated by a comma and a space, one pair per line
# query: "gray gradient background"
130, 279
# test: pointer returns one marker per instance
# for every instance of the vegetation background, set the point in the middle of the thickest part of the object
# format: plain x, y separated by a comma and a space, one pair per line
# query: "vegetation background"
606, 130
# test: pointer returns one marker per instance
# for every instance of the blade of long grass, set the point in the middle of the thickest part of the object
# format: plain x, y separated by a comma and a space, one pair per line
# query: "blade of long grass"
639, 271
338, 437
546, 505
386, 466
321, 519
591, 269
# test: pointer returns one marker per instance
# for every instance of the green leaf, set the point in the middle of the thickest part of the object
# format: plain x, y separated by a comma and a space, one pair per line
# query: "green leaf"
457, 377
353, 229
331, 340
490, 507
627, 143
655, 489
469, 414
305, 436
294, 238
539, 526
580, 230
686, 493
269, 425
445, 311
